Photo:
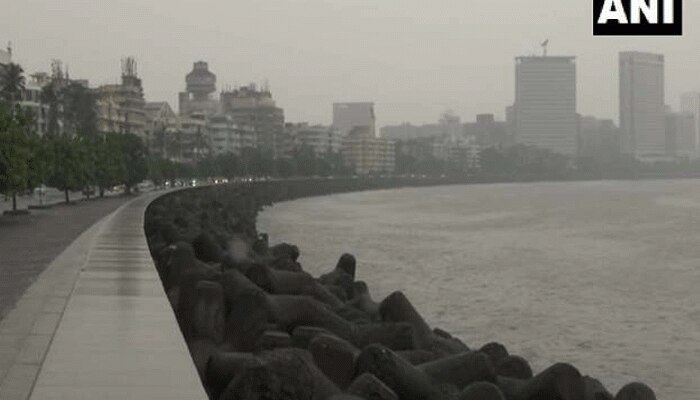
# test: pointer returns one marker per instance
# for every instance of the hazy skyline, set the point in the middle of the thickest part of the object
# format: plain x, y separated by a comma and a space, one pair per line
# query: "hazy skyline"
414, 59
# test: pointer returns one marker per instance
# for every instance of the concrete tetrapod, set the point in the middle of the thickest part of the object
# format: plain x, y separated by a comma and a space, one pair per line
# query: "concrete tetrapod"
481, 391
362, 300
397, 308
560, 381
595, 390
514, 367
335, 357
406, 380
284, 374
460, 370
369, 386
635, 391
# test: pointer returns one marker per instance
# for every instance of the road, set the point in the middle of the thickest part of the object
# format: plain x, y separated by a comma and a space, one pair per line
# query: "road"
52, 197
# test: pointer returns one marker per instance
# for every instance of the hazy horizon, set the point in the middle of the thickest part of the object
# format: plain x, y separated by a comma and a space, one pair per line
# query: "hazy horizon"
412, 58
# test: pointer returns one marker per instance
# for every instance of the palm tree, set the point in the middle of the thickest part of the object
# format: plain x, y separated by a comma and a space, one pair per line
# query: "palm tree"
12, 83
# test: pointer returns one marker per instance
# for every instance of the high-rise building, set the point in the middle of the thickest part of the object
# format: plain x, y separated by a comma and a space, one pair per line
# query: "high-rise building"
598, 140
254, 110
367, 154
642, 107
349, 116
197, 97
690, 103
545, 103
321, 139
680, 135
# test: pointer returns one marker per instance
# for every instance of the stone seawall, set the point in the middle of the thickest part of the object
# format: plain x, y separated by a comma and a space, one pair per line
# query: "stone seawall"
259, 327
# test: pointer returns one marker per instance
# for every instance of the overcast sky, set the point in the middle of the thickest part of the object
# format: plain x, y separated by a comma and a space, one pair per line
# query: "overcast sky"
413, 58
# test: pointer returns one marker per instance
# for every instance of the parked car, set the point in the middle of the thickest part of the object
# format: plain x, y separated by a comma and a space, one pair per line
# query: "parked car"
145, 186
44, 192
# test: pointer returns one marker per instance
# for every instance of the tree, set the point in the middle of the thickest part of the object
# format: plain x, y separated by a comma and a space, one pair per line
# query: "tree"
158, 170
134, 156
40, 163
495, 161
173, 145
109, 165
12, 83
525, 162
79, 109
158, 143
69, 166
15, 153
229, 165
183, 170
207, 168
305, 158
254, 162
286, 167
337, 163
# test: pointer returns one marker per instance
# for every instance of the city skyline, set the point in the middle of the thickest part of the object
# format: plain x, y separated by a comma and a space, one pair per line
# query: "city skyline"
420, 61
544, 113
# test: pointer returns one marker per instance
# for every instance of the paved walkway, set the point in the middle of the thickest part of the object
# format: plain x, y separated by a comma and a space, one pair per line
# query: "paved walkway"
96, 323
28, 244
28, 328
118, 338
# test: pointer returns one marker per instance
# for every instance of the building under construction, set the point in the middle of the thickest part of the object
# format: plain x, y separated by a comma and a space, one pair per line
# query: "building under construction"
121, 107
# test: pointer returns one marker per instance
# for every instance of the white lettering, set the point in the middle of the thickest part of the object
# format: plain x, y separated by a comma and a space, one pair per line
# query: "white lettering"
650, 9
613, 10
669, 11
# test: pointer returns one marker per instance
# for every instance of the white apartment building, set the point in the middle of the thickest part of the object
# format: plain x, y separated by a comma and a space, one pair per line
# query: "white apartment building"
322, 139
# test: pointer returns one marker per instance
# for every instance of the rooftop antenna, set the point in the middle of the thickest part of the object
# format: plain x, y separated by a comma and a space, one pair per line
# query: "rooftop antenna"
129, 67
56, 69
544, 47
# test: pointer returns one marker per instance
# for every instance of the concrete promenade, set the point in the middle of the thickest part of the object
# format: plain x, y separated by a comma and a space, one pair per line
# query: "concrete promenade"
97, 324
29, 243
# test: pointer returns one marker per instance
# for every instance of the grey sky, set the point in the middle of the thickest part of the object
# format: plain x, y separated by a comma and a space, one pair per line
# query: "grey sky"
413, 58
